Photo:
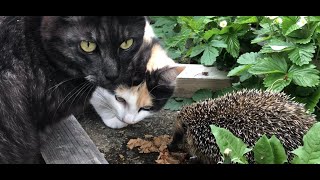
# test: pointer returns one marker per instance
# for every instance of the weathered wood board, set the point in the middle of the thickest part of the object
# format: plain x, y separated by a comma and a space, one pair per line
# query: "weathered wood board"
195, 77
68, 143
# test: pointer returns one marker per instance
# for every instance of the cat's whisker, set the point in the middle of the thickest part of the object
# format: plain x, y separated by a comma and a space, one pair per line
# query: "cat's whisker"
85, 86
156, 87
66, 97
85, 99
53, 88
76, 93
104, 103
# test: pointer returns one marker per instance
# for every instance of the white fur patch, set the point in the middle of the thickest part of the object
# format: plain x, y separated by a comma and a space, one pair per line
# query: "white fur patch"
159, 59
148, 33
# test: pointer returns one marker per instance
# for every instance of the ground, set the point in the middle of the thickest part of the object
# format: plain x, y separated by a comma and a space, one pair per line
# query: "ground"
113, 143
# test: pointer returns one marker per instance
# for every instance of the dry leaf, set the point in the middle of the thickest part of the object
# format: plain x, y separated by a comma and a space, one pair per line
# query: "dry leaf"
157, 144
165, 158
134, 143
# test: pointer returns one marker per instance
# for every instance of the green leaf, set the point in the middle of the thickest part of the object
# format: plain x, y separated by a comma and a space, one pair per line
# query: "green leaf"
173, 105
248, 58
276, 45
260, 39
246, 19
269, 151
268, 66
239, 70
264, 30
305, 35
314, 18
277, 82
278, 150
289, 24
208, 34
219, 44
197, 50
309, 153
244, 76
187, 101
305, 76
302, 54
225, 139
223, 91
209, 56
202, 94
313, 100
174, 54
233, 45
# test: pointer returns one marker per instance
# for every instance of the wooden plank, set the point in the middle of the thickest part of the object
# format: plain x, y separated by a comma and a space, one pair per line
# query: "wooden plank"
68, 143
192, 79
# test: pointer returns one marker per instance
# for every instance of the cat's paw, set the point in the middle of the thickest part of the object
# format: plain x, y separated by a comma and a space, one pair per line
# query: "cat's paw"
114, 123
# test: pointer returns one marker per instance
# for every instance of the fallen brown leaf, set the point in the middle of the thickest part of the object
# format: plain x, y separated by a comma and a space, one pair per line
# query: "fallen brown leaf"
157, 144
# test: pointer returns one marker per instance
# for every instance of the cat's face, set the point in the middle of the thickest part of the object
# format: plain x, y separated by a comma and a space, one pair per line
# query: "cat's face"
131, 104
102, 49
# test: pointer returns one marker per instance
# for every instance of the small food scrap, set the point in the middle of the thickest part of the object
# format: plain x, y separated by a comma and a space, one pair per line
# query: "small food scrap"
205, 73
121, 156
147, 136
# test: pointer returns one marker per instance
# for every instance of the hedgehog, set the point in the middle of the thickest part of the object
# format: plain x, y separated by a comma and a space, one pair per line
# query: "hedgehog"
248, 114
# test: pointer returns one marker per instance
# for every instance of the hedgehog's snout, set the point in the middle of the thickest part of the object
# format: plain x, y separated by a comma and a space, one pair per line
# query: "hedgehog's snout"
172, 147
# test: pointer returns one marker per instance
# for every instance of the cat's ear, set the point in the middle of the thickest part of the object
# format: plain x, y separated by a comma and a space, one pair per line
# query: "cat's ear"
134, 20
170, 74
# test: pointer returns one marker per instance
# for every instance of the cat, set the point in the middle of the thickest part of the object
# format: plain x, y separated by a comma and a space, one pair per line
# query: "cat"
131, 104
51, 65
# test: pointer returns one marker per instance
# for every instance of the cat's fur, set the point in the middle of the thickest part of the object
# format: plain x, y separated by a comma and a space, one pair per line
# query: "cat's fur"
44, 77
153, 93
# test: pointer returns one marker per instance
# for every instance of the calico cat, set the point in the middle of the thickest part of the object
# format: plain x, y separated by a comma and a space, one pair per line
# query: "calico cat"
50, 66
131, 104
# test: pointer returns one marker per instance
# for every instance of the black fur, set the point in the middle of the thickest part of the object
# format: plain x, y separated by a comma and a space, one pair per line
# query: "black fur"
161, 84
42, 72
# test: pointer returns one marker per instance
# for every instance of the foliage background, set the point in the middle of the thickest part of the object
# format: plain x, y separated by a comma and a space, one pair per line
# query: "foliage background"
279, 53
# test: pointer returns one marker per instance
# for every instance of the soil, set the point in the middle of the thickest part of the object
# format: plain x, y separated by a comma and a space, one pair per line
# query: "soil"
113, 142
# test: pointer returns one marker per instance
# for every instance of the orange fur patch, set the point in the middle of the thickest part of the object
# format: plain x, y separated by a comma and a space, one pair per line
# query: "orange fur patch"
144, 97
141, 91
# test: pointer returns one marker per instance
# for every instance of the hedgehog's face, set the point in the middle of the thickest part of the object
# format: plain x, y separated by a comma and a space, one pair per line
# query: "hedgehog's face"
179, 141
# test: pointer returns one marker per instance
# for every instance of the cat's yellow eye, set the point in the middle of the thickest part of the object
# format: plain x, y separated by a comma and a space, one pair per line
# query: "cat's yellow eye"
88, 46
126, 44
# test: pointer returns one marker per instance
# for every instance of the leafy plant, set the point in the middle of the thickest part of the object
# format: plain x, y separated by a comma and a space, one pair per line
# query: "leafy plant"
309, 153
202, 39
226, 140
288, 56
269, 151
279, 53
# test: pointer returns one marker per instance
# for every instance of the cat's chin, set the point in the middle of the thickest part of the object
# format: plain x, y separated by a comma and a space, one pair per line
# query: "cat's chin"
114, 123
